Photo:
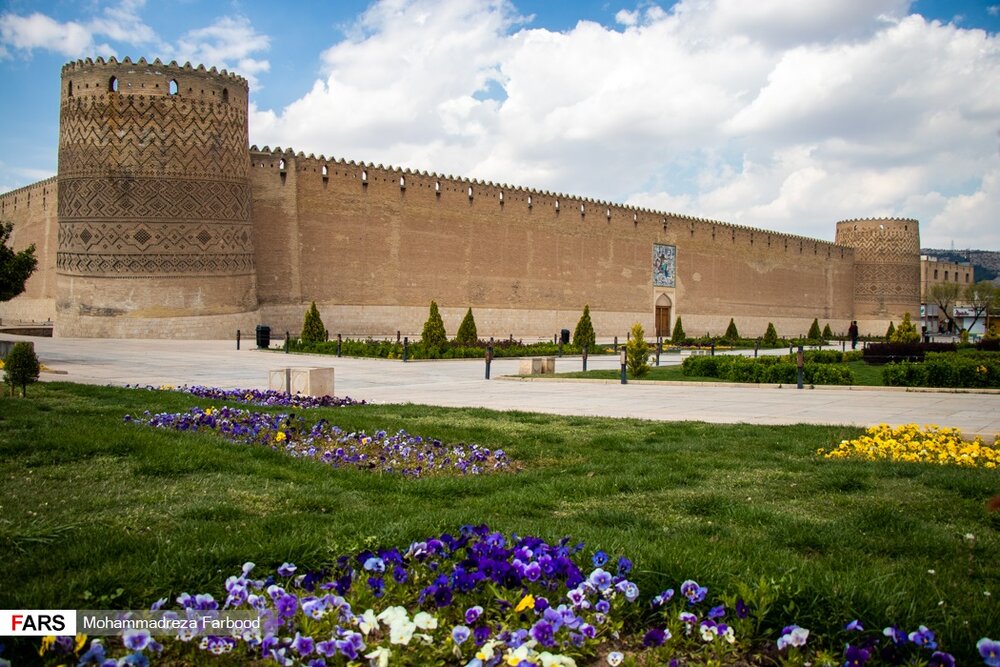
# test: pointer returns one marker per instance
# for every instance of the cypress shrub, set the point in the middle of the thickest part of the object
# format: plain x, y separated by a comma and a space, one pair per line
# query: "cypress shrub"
731, 332
467, 335
584, 333
814, 332
433, 337
313, 330
637, 352
678, 335
770, 336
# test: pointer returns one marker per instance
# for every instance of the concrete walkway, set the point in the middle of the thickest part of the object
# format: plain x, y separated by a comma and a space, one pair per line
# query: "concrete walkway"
461, 384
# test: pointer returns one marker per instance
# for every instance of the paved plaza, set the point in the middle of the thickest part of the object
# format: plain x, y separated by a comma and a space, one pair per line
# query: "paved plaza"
461, 383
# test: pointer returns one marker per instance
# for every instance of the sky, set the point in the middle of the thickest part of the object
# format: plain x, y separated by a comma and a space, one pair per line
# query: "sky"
780, 114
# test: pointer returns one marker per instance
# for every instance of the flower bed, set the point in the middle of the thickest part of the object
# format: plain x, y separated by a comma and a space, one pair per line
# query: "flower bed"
482, 598
410, 455
933, 444
267, 397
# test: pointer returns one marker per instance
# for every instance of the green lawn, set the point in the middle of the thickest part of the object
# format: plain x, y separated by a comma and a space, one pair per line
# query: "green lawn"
90, 505
864, 374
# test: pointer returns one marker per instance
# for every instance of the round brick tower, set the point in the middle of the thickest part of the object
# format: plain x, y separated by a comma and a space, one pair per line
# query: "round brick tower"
155, 230
886, 267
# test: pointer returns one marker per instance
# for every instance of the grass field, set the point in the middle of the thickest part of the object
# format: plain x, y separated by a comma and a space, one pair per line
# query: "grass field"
98, 513
864, 374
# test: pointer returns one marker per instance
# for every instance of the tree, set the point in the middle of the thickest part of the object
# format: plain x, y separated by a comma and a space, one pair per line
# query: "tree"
890, 332
584, 333
906, 332
637, 352
944, 296
770, 336
467, 335
814, 333
981, 297
313, 330
827, 332
21, 367
433, 336
678, 336
14, 267
731, 332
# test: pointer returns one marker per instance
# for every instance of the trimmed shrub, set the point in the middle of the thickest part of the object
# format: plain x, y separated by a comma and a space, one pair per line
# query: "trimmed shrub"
814, 332
637, 352
965, 369
678, 336
731, 332
906, 332
313, 330
827, 332
770, 336
433, 337
21, 367
584, 333
890, 332
827, 374
467, 334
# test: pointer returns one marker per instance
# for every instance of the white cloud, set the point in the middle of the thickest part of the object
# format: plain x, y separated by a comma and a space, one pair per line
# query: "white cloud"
38, 31
229, 42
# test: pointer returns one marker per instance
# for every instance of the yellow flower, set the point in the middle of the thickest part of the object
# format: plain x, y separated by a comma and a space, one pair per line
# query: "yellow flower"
932, 444
527, 602
209, 411
280, 436
81, 639
47, 643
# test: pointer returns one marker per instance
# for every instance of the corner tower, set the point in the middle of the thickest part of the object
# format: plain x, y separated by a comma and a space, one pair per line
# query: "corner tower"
886, 267
154, 209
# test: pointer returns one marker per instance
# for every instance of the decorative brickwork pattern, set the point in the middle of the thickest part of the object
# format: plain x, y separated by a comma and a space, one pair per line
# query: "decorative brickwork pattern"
887, 264
153, 171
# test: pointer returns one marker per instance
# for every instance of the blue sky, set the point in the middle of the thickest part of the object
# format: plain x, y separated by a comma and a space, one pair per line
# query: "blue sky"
780, 114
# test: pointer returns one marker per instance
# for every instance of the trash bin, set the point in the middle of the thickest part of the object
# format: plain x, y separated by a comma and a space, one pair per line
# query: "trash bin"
564, 336
263, 336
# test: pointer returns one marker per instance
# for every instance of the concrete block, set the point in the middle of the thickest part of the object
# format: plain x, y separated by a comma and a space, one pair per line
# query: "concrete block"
305, 381
531, 366
549, 365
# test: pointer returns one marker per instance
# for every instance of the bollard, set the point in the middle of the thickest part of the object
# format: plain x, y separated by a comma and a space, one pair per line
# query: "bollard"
287, 338
756, 347
586, 349
288, 381
326, 335
397, 335
340, 342
659, 349
237, 339
616, 344
800, 362
843, 345
713, 347
560, 350
622, 359
406, 348
489, 360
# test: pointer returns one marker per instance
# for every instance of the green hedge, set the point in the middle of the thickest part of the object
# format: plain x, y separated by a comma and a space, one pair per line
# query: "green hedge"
765, 370
962, 369
390, 349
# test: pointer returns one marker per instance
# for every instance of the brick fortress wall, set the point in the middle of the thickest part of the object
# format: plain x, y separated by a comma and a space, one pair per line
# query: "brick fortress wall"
168, 224
374, 245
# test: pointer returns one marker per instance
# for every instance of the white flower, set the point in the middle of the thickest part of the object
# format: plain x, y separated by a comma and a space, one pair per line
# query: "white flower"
367, 622
425, 621
485, 652
391, 614
401, 631
615, 658
970, 537
555, 660
379, 657
931, 572
729, 635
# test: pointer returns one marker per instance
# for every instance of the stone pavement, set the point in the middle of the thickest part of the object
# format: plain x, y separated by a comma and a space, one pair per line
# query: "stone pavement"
461, 383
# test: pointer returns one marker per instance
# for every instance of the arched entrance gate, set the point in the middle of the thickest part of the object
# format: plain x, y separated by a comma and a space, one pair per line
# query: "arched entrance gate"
663, 308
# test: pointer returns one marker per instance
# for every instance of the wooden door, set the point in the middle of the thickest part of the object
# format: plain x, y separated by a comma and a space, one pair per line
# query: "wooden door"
662, 321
